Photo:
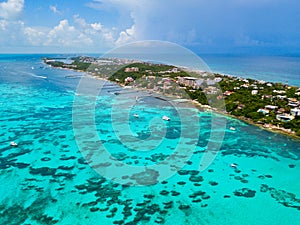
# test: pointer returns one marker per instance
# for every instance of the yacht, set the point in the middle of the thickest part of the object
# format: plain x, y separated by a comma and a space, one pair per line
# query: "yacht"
13, 144
166, 118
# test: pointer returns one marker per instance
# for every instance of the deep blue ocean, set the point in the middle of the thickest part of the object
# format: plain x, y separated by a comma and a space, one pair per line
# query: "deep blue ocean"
125, 165
269, 68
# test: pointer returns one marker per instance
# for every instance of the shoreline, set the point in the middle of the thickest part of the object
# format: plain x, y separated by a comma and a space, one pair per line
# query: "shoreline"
199, 106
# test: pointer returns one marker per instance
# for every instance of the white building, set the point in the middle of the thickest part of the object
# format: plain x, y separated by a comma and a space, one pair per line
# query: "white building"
271, 107
254, 92
295, 112
284, 117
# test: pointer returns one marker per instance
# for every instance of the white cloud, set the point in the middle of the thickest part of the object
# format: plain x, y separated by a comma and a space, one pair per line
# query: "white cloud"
80, 21
126, 36
34, 36
97, 26
11, 9
54, 9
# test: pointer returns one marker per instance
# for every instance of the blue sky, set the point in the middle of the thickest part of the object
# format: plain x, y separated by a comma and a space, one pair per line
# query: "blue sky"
215, 26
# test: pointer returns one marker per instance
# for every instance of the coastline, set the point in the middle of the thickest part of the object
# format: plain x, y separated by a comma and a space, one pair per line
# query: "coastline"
248, 121
198, 105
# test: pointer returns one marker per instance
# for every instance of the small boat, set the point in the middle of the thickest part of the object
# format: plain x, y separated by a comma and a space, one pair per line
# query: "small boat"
232, 128
13, 144
233, 165
136, 115
166, 118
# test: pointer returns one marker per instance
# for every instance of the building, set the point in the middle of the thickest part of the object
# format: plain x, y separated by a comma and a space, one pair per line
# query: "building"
264, 111
295, 112
279, 92
281, 97
284, 117
271, 107
254, 92
129, 79
190, 82
131, 69
228, 93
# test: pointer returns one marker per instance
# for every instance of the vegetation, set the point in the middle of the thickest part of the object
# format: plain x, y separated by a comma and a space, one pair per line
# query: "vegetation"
145, 69
245, 99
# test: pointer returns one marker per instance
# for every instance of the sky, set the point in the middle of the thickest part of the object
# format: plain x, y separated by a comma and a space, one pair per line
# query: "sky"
96, 26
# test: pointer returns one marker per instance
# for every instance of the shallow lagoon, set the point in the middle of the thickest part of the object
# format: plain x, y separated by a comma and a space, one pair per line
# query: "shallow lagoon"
46, 180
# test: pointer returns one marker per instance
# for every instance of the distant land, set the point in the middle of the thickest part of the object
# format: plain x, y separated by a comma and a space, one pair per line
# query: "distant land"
270, 105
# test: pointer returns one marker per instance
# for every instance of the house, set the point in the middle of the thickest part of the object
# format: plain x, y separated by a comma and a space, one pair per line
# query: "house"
211, 90
293, 102
267, 97
264, 111
241, 106
254, 92
271, 107
295, 112
279, 92
174, 70
190, 82
284, 117
131, 69
281, 110
228, 93
281, 97
129, 79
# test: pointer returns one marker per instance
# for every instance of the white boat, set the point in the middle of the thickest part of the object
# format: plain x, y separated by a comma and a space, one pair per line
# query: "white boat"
136, 115
232, 128
166, 118
13, 144
233, 165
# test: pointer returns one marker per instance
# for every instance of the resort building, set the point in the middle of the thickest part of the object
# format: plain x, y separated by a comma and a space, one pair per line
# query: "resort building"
284, 117
131, 69
193, 82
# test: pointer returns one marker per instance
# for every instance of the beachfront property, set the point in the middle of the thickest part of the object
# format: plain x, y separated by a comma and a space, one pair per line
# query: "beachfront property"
196, 83
284, 117
190, 82
129, 80
264, 111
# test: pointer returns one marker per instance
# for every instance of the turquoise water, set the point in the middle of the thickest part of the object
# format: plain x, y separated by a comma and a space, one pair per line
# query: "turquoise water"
46, 179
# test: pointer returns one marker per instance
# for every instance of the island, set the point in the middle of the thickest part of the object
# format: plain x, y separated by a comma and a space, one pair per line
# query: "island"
272, 106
